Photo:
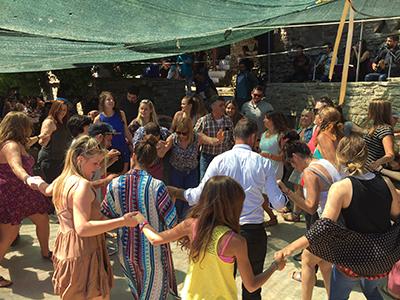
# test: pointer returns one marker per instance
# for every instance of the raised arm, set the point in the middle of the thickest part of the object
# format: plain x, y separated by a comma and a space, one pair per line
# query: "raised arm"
48, 127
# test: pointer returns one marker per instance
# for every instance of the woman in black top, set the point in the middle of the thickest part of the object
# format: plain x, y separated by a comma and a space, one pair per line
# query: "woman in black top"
379, 138
355, 231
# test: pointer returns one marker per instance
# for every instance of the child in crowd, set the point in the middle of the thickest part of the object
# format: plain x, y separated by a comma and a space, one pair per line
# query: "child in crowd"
211, 235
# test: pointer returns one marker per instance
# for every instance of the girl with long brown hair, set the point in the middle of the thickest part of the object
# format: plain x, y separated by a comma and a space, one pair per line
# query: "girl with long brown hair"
52, 154
211, 235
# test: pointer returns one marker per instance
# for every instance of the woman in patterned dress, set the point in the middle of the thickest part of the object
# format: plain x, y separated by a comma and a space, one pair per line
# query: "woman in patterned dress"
149, 269
17, 199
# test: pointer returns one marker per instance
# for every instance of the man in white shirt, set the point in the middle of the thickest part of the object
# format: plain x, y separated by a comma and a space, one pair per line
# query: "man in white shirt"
257, 177
256, 108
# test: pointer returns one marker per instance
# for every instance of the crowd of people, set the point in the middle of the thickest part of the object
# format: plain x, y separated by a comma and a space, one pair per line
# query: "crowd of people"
372, 65
207, 182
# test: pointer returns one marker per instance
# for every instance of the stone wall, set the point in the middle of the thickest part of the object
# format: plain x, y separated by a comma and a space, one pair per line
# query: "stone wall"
165, 94
294, 97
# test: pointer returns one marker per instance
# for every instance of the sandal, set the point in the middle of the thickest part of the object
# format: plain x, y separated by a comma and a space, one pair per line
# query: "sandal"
296, 275
49, 256
291, 217
271, 222
284, 210
4, 282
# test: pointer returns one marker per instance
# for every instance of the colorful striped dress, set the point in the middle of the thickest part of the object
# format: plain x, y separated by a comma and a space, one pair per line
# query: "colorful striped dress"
149, 269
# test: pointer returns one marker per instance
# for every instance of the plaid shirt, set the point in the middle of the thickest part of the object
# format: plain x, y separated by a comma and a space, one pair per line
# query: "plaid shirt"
209, 126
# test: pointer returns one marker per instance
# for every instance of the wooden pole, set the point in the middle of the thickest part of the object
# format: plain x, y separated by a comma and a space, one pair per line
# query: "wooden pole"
359, 51
345, 73
338, 38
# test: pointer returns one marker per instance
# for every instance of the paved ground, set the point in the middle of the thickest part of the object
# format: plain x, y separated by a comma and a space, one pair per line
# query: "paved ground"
32, 275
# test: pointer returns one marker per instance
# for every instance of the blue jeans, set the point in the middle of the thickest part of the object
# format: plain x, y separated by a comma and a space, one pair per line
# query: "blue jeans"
341, 286
375, 77
183, 180
205, 160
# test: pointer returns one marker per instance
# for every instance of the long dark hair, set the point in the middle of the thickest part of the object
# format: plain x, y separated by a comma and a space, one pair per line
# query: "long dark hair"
220, 203
279, 121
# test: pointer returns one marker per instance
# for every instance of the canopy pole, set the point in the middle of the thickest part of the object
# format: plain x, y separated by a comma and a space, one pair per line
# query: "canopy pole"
338, 38
359, 51
345, 73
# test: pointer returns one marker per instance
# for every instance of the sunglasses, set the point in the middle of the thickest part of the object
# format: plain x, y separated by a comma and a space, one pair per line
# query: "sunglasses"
182, 133
257, 95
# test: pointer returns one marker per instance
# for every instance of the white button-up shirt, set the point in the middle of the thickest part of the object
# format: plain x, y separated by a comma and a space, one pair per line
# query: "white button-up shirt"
253, 172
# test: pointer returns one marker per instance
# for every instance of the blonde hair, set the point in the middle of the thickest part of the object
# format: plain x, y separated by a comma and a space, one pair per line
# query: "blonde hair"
380, 113
17, 127
351, 154
84, 146
153, 114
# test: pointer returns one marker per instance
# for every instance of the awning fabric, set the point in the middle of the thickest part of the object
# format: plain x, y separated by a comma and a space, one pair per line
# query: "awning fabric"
58, 34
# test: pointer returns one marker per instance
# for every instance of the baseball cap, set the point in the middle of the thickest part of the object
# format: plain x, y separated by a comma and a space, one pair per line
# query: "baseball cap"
101, 128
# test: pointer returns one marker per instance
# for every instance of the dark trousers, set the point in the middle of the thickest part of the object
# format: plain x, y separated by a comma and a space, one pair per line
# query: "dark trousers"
205, 160
183, 180
257, 249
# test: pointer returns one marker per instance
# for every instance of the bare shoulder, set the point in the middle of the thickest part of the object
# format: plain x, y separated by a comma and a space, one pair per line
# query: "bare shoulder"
343, 186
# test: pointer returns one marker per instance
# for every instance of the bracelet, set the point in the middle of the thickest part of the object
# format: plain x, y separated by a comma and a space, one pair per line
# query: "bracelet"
26, 179
141, 225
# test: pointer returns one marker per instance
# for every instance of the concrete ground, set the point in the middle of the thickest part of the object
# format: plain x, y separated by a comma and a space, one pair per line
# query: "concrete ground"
31, 274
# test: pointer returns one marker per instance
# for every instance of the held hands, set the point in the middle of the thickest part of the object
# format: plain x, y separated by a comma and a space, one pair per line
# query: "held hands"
131, 219
283, 187
140, 218
173, 192
34, 182
113, 153
44, 138
280, 258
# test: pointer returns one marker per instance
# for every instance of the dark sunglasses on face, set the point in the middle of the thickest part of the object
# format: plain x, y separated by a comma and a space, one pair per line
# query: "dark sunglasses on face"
257, 95
181, 133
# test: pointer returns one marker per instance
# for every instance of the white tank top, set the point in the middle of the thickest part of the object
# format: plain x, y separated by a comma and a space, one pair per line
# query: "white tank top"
327, 182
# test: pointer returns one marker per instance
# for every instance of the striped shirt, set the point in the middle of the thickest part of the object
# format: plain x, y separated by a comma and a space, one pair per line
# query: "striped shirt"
149, 269
374, 142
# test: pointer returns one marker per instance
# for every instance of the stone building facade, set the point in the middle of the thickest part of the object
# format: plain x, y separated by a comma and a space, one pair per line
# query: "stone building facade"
292, 98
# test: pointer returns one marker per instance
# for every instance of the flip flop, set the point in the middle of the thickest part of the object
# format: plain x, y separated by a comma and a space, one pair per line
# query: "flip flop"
4, 282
